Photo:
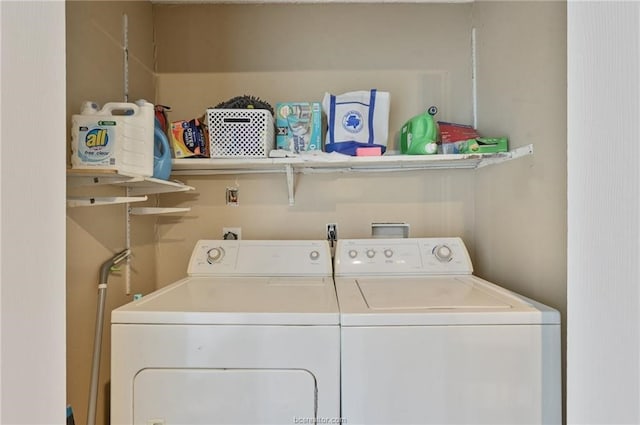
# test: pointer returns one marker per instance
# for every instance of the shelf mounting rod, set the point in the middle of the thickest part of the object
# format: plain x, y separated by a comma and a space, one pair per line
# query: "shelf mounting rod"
474, 78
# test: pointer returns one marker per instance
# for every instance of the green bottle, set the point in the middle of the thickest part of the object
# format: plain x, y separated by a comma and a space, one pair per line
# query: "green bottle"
419, 135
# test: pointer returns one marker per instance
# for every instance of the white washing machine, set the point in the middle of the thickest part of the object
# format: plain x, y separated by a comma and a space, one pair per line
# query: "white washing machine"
251, 336
426, 342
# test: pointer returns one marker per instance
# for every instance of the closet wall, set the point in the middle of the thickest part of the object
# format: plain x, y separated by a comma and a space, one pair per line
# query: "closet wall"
520, 206
420, 53
94, 234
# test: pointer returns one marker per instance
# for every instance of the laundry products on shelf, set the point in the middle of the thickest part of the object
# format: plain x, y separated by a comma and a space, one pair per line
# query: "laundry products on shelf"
119, 136
298, 126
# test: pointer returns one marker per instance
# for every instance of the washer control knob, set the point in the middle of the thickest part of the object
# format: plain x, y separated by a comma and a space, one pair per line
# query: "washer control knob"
353, 253
443, 253
388, 253
314, 255
371, 253
215, 255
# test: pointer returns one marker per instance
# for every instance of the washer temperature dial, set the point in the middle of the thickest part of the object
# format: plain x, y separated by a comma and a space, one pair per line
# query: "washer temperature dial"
443, 253
215, 255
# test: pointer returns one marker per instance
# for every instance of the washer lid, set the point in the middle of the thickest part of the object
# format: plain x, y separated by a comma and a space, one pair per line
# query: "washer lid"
434, 300
305, 300
433, 293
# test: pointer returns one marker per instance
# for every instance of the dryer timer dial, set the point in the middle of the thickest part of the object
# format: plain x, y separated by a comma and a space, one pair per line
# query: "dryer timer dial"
215, 255
443, 253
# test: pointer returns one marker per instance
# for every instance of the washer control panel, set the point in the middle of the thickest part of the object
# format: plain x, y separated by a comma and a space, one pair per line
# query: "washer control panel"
402, 256
260, 258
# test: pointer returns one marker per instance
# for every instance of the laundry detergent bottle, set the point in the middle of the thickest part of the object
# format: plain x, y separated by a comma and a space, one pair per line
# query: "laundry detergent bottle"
161, 153
419, 135
117, 137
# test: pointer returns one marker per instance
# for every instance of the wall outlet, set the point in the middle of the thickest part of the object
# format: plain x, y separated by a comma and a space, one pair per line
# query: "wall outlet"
232, 196
231, 233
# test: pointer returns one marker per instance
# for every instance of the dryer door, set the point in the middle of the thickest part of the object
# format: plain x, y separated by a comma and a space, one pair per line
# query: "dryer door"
223, 396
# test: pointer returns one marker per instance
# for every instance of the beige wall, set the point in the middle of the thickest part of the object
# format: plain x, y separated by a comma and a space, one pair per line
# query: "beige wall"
520, 207
419, 53
94, 234
512, 216
435, 204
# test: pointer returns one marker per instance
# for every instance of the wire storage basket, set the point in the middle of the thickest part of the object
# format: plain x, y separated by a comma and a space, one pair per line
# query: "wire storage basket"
240, 133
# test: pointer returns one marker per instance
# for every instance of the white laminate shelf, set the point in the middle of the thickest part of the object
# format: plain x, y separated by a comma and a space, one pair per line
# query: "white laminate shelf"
137, 189
158, 210
90, 201
341, 164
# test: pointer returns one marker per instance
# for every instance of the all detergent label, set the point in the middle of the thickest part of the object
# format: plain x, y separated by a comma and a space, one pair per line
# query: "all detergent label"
119, 137
96, 143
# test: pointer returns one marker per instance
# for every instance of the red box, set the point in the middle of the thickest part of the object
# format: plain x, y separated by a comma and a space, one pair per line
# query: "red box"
450, 132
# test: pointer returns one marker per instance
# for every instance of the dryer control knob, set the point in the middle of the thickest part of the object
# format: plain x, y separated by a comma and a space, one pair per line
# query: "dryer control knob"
314, 255
371, 253
388, 253
353, 253
215, 255
443, 253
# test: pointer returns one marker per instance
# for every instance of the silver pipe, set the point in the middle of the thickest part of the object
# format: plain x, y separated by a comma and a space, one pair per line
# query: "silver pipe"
97, 342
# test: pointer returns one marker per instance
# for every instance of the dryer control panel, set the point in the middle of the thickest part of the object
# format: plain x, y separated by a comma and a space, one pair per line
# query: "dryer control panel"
415, 256
260, 258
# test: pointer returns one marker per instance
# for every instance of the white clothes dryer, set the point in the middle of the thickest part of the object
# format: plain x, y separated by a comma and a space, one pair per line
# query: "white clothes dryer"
251, 336
426, 342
